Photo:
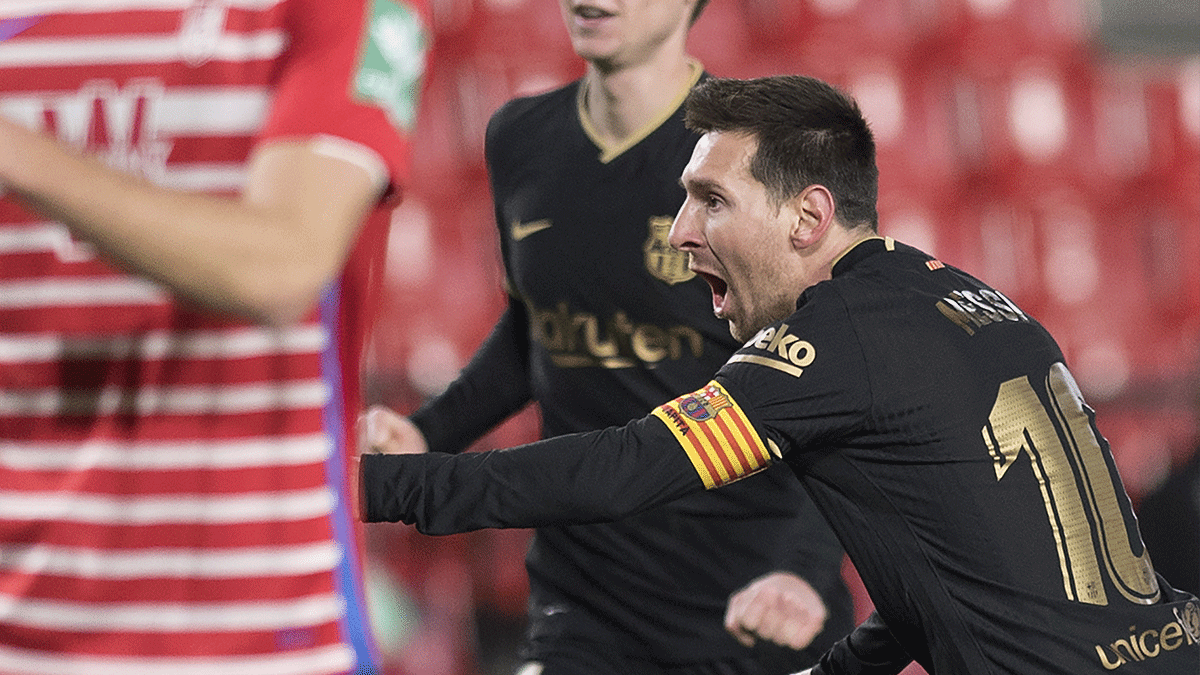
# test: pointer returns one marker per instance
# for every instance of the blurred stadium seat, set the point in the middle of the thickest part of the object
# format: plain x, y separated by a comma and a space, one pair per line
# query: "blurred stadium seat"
1009, 145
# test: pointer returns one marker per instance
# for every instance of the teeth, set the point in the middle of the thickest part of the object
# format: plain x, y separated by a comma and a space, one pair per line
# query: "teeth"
591, 12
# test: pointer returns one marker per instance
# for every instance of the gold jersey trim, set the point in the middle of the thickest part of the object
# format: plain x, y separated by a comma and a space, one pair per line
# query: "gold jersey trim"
609, 152
788, 368
888, 244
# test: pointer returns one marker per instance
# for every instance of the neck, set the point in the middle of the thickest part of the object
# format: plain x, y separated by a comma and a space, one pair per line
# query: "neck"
622, 100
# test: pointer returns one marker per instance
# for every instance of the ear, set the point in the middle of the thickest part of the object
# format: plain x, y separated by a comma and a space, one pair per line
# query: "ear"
813, 209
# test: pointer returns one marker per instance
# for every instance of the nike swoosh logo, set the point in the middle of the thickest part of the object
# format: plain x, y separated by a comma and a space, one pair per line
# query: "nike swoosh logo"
522, 230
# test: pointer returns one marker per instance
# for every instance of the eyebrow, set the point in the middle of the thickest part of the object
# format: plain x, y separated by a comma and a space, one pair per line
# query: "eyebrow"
700, 184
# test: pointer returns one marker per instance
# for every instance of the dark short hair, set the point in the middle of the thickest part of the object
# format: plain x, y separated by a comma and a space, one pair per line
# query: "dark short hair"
697, 10
808, 133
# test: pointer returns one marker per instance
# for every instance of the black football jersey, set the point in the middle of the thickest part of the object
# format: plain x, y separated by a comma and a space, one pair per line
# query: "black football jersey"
939, 430
618, 321
941, 433
605, 322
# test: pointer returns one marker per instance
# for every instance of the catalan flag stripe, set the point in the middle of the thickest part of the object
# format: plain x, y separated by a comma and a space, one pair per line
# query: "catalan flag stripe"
735, 453
734, 450
746, 450
711, 444
761, 456
723, 447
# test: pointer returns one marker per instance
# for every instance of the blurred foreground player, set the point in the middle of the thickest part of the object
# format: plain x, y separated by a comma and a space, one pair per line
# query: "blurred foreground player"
604, 321
933, 422
181, 316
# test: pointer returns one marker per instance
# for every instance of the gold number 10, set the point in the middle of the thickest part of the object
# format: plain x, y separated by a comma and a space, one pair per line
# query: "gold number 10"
1077, 488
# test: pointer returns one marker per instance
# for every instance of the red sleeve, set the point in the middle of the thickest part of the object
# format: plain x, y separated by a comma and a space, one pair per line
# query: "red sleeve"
353, 69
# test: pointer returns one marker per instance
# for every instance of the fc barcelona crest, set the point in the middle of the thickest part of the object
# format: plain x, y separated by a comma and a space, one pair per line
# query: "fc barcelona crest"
662, 261
704, 405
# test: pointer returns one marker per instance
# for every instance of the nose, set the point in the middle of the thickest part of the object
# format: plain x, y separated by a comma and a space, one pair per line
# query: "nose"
684, 234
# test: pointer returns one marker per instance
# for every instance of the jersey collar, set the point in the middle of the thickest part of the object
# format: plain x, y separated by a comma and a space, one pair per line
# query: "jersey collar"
866, 247
609, 152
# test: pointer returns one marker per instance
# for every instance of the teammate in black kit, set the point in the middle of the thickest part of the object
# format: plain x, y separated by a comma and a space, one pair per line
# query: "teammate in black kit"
604, 322
934, 422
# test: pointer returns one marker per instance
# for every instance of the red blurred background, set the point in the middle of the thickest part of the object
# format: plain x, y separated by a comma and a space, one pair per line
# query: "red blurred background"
1013, 142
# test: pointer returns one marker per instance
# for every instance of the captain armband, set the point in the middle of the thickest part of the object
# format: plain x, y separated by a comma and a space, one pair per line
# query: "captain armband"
716, 435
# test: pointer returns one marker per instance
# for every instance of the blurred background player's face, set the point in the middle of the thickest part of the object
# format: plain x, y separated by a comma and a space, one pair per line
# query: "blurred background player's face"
739, 241
619, 33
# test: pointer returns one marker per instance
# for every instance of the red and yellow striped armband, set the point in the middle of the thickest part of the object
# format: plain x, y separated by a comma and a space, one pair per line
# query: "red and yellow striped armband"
715, 433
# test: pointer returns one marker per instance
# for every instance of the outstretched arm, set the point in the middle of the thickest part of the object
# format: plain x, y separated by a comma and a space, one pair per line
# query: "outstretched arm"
699, 440
266, 254
578, 478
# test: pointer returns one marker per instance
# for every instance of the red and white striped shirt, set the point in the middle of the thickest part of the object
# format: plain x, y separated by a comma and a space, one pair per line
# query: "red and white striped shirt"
171, 481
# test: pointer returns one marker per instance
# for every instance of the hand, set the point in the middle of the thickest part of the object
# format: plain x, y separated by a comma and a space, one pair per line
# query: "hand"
779, 607
382, 430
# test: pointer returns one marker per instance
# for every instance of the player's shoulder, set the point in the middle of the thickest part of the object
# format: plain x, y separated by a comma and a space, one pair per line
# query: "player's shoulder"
881, 266
880, 253
529, 114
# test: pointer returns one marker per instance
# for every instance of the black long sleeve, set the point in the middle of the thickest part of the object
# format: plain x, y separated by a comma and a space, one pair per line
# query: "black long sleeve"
582, 478
492, 387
